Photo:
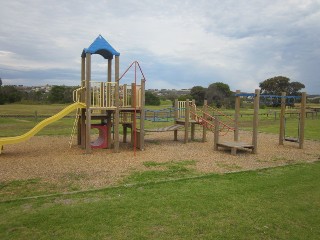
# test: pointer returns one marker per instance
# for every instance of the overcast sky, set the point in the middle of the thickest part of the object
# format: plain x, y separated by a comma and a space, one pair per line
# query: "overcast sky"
179, 43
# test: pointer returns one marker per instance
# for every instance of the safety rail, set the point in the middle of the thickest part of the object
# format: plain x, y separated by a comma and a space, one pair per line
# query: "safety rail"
208, 122
76, 95
126, 95
103, 94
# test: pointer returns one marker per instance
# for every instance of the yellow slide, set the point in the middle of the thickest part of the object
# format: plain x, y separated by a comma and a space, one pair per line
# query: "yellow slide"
40, 125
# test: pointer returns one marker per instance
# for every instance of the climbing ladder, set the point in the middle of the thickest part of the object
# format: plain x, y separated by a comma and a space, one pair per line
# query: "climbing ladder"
75, 124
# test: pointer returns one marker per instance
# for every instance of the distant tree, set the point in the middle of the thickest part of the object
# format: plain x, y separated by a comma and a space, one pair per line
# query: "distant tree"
218, 94
152, 99
60, 94
0, 82
198, 93
172, 97
9, 94
279, 84
184, 97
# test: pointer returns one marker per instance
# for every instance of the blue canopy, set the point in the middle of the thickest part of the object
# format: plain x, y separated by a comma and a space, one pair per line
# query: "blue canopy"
102, 47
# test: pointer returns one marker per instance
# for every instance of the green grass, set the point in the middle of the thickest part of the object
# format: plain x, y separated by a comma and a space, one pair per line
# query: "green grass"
278, 203
14, 126
163, 171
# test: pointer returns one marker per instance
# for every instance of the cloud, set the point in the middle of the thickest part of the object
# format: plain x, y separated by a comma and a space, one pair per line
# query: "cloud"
179, 43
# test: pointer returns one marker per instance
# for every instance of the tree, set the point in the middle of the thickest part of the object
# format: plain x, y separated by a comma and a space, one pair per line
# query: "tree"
218, 94
9, 94
279, 84
60, 94
152, 99
198, 93
184, 97
0, 82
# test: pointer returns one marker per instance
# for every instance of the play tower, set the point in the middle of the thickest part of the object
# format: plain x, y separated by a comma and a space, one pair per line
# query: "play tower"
109, 103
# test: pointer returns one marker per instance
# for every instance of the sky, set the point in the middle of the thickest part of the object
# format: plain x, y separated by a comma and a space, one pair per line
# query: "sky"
178, 43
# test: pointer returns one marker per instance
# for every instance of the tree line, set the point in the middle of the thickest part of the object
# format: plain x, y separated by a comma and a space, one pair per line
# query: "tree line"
218, 94
57, 94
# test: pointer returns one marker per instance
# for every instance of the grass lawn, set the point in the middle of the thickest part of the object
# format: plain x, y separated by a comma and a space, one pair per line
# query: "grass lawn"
278, 203
13, 126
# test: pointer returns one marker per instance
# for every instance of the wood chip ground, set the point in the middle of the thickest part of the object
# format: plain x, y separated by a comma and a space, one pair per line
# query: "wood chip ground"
51, 159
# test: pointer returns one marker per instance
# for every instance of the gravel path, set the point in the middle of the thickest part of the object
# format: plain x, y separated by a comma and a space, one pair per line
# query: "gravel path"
51, 159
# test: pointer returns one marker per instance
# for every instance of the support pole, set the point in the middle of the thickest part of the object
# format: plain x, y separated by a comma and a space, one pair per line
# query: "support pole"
82, 122
175, 119
117, 110
142, 115
236, 117
255, 121
108, 103
193, 117
186, 121
216, 134
282, 118
88, 103
109, 70
302, 119
204, 129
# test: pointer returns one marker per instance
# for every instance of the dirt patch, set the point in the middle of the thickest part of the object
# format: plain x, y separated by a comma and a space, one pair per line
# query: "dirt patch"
51, 159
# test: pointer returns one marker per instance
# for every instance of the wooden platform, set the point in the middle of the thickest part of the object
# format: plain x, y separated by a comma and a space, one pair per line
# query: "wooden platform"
234, 146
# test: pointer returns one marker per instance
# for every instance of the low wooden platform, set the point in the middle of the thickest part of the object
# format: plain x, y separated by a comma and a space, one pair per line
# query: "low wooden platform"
234, 146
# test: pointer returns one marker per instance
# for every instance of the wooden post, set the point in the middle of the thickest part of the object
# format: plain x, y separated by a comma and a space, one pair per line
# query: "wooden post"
236, 117
204, 129
175, 118
108, 102
186, 121
109, 70
117, 110
302, 119
88, 103
125, 97
216, 134
142, 114
282, 118
82, 122
255, 121
193, 117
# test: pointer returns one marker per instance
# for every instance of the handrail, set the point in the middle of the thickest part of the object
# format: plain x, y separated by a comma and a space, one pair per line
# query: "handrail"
76, 94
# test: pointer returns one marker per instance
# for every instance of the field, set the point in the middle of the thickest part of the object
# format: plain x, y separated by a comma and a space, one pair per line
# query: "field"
170, 191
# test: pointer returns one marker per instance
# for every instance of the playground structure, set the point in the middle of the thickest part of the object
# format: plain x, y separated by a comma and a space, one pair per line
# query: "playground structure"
109, 102
301, 123
236, 144
113, 105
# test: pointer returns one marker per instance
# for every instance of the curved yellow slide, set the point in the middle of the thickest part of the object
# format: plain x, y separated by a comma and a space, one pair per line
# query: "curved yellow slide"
40, 125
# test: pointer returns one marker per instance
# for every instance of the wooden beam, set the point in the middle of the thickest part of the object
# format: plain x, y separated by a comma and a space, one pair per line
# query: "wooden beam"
255, 121
176, 106
236, 117
302, 119
186, 121
282, 118
88, 102
117, 100
216, 134
142, 114
204, 129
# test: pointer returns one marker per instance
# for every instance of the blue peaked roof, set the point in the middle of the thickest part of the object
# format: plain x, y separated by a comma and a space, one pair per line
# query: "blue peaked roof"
102, 47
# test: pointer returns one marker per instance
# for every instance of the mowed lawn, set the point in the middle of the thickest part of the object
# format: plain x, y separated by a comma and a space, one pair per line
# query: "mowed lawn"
17, 125
278, 203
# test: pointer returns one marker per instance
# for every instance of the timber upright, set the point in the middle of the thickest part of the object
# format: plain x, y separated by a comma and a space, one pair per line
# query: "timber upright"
108, 102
